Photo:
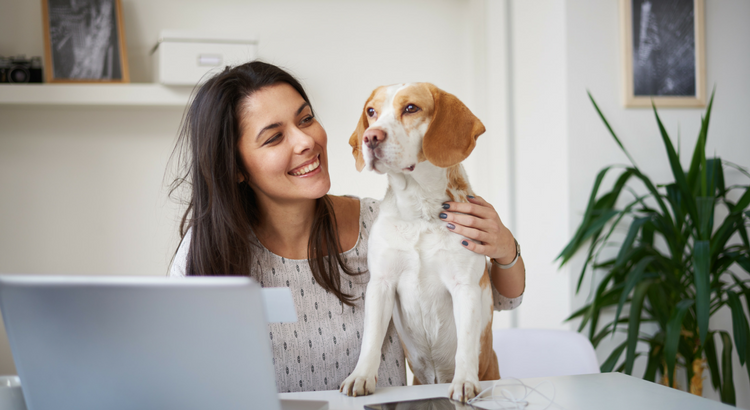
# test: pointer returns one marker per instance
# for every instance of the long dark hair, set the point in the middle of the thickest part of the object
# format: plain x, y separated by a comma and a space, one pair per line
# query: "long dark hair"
222, 212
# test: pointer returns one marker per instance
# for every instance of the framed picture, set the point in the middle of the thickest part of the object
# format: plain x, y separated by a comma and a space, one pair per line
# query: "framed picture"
84, 41
664, 53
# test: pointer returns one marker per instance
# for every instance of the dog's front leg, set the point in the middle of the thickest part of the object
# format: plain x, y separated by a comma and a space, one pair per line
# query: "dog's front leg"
467, 313
379, 300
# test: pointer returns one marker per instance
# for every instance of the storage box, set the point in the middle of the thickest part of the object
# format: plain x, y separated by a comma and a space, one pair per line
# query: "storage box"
189, 58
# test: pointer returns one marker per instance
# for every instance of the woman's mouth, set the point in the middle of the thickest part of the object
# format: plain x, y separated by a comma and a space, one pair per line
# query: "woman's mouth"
306, 169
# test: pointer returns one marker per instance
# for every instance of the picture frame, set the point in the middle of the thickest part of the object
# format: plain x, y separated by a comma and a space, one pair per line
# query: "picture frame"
84, 42
663, 45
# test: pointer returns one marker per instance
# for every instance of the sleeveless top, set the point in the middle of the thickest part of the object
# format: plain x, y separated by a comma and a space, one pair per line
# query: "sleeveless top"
322, 348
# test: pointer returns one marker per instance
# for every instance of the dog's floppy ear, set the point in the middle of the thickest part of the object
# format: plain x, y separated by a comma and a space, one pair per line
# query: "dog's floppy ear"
356, 141
453, 131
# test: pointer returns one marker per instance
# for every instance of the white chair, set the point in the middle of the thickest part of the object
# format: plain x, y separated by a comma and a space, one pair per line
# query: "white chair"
526, 353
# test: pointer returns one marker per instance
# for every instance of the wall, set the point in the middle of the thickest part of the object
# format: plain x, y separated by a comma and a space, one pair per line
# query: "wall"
84, 188
594, 63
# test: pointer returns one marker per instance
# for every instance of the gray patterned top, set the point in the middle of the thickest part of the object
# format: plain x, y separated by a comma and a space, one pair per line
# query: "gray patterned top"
322, 348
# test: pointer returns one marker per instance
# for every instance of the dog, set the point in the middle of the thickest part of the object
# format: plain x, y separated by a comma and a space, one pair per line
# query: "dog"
437, 291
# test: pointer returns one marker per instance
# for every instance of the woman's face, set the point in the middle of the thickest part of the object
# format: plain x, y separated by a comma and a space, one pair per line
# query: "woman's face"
283, 147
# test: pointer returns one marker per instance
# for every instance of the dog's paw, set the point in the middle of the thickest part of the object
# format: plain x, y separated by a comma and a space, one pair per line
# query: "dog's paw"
463, 390
359, 384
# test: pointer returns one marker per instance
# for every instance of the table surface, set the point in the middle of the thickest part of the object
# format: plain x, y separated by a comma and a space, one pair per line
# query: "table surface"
611, 391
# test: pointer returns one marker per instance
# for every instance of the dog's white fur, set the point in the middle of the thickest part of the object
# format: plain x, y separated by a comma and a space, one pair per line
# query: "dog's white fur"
437, 291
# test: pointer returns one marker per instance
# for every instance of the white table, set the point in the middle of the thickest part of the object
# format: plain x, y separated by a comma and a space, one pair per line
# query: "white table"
610, 391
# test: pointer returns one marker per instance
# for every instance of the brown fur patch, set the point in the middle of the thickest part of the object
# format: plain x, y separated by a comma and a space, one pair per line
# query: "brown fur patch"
450, 195
488, 366
453, 130
456, 180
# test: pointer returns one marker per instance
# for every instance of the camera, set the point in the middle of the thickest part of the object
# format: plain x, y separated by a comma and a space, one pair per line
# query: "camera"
19, 69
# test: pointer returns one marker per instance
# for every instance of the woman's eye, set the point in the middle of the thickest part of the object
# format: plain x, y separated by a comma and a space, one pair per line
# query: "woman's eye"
307, 119
370, 112
411, 109
272, 139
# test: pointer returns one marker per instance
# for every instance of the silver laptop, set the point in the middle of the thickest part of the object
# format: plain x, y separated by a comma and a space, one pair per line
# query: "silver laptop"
113, 343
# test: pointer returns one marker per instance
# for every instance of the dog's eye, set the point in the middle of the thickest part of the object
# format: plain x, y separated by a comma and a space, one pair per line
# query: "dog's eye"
371, 112
411, 109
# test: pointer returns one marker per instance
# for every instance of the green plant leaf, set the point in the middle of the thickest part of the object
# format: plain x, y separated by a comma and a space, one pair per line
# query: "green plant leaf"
713, 363
577, 239
674, 327
718, 242
633, 279
700, 145
716, 176
739, 326
742, 203
634, 323
727, 379
701, 268
630, 238
679, 174
705, 205
611, 131
611, 361
652, 365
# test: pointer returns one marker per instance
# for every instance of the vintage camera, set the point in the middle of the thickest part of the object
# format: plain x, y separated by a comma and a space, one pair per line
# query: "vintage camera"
19, 69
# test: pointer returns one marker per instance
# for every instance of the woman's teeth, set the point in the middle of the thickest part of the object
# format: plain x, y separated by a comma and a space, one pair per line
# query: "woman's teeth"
308, 168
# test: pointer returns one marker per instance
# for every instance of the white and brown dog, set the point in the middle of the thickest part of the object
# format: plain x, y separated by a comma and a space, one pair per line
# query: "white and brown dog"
437, 291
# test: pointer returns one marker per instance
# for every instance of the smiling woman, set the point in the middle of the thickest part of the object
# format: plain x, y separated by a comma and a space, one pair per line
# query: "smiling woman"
256, 163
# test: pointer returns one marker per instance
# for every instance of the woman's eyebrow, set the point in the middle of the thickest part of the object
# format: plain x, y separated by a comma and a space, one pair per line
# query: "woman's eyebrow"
278, 124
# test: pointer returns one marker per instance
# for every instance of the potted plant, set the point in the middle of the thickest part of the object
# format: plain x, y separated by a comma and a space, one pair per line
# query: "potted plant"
678, 282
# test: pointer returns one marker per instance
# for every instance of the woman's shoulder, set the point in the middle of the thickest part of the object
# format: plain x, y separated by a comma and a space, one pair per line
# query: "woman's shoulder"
179, 263
366, 208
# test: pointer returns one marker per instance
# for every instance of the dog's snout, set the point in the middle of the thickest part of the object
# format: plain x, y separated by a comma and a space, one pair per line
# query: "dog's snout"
374, 137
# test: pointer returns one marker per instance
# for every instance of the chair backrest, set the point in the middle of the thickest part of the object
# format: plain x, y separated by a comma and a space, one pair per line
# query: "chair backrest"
526, 353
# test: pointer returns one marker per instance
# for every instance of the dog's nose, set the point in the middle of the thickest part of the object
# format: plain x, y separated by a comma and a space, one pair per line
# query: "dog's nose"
374, 137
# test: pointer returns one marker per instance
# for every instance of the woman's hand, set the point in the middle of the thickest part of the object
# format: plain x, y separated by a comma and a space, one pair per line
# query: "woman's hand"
479, 221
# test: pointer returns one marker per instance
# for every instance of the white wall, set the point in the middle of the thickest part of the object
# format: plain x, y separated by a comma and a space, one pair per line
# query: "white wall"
82, 187
594, 62
540, 149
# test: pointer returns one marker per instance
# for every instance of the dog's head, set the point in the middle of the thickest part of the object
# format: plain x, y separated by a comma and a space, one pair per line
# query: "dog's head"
405, 124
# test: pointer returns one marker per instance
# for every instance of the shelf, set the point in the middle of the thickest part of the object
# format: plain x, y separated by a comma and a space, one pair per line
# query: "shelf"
134, 94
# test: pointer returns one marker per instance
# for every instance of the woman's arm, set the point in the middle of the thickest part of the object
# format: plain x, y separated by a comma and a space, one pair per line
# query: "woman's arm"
479, 221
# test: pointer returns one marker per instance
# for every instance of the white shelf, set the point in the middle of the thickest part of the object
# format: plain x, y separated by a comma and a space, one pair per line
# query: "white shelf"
134, 94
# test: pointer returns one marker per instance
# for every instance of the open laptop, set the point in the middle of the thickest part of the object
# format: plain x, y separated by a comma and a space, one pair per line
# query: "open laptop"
86, 342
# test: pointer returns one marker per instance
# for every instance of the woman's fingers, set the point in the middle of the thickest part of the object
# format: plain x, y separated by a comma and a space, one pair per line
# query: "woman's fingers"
471, 233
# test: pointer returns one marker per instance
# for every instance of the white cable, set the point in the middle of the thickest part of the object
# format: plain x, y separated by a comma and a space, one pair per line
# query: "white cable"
506, 399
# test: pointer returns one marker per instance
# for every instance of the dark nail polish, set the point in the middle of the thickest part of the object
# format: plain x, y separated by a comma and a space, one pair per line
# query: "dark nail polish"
443, 215
446, 206
451, 226
464, 243
470, 196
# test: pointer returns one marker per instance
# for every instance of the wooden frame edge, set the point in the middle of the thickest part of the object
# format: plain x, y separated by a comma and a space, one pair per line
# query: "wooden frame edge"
628, 98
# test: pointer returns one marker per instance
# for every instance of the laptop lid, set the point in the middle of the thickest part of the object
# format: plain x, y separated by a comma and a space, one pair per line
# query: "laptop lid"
139, 342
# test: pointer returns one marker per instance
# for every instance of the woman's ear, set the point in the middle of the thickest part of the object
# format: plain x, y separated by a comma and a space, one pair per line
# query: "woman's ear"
356, 141
453, 130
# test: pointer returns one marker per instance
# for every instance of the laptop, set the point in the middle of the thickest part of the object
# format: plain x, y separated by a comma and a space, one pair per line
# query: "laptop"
88, 342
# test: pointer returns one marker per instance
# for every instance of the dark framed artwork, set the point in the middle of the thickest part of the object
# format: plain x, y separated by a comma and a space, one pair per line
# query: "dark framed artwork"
84, 41
663, 53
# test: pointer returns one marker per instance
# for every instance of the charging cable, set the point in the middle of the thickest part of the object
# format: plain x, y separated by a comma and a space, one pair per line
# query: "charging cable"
507, 400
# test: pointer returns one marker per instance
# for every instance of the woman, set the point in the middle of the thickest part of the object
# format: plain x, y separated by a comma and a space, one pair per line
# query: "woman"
257, 166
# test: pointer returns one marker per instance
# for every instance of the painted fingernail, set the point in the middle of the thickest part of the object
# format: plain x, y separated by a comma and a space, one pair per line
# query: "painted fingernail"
464, 243
446, 206
443, 215
451, 226
470, 196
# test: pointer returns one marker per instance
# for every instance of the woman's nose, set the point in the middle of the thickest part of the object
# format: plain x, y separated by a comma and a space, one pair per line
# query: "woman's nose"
302, 141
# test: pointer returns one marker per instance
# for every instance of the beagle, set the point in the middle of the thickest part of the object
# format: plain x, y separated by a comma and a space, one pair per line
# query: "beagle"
437, 291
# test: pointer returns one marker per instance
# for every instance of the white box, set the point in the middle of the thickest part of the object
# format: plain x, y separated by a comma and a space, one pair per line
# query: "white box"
185, 58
